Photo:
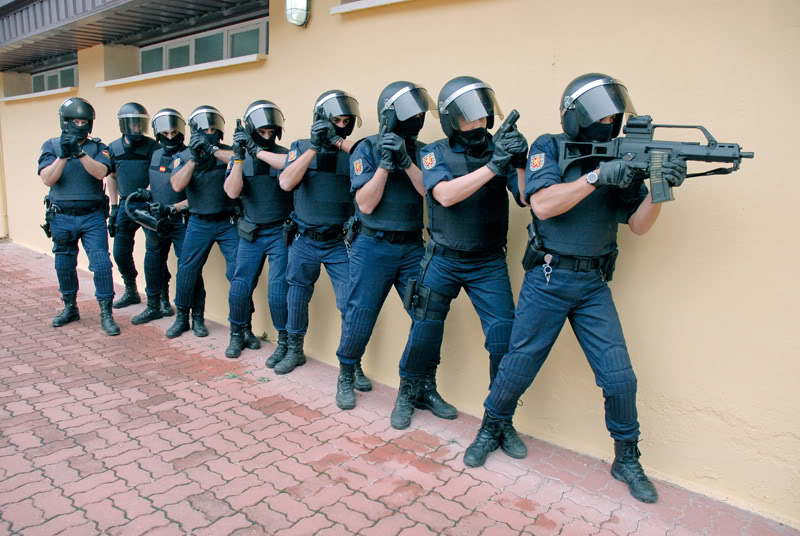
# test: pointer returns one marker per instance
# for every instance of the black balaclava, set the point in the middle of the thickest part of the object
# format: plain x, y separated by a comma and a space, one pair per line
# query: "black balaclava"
475, 140
265, 143
409, 129
171, 146
79, 132
214, 138
599, 132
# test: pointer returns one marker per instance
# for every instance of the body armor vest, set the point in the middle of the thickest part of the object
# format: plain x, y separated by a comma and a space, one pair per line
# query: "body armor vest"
323, 196
479, 222
76, 184
160, 172
131, 164
262, 197
205, 191
401, 207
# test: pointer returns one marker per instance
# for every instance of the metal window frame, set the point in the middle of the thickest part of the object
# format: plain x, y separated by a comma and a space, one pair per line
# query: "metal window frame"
57, 71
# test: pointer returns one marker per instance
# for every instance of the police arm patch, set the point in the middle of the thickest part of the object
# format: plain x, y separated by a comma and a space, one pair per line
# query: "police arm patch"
428, 161
176, 163
537, 161
292, 156
358, 167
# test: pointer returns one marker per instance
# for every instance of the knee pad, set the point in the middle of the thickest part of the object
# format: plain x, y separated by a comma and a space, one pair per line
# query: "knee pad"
516, 373
497, 337
99, 261
619, 384
423, 347
238, 301
357, 329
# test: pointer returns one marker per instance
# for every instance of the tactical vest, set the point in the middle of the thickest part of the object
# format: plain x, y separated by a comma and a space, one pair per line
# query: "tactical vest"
205, 191
479, 222
262, 197
160, 172
131, 164
589, 229
323, 196
401, 207
76, 184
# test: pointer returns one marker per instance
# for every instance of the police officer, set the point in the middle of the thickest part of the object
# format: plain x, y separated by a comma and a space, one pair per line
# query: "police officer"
253, 178
130, 159
169, 129
73, 167
318, 171
568, 264
200, 170
466, 175
389, 196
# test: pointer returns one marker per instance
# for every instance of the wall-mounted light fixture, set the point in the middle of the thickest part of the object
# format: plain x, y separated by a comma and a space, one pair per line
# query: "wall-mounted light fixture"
297, 11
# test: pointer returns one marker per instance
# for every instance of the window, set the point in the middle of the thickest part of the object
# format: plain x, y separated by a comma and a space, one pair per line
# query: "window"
58, 78
229, 42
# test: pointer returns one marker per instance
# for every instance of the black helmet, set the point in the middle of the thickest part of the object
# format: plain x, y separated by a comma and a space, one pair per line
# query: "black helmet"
168, 119
134, 121
468, 98
402, 100
75, 108
337, 102
204, 117
263, 114
591, 97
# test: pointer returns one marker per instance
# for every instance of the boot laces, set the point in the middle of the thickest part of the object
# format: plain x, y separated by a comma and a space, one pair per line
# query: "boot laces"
630, 457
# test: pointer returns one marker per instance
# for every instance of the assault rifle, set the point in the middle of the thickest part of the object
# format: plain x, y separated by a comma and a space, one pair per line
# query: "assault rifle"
638, 146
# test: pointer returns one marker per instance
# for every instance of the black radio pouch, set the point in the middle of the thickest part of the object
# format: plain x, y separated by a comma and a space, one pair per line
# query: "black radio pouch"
289, 230
247, 230
534, 251
609, 264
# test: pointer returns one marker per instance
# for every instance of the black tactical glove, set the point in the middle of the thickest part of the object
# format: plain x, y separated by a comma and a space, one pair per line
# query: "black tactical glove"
253, 148
319, 133
112, 221
619, 173
674, 171
240, 139
75, 147
505, 147
390, 146
65, 147
197, 144
144, 194
330, 138
516, 144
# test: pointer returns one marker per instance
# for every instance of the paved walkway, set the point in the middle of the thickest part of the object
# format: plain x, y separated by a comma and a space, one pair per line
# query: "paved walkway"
140, 435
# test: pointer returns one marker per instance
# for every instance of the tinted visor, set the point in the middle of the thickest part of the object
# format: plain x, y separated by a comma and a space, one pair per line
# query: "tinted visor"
263, 116
340, 104
471, 103
602, 101
204, 119
411, 101
164, 122
133, 124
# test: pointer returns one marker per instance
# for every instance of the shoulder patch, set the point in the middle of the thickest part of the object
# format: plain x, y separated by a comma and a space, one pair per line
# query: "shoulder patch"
106, 154
176, 162
292, 156
537, 161
358, 167
428, 161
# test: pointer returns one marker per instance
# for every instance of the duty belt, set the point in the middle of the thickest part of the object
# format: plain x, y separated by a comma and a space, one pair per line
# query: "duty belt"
576, 264
336, 234
77, 211
394, 237
460, 254
219, 216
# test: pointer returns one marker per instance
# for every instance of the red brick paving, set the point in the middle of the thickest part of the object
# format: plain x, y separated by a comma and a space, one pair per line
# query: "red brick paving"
140, 435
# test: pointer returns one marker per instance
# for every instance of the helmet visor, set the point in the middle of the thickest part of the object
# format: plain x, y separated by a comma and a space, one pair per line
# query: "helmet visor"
471, 103
602, 101
263, 116
411, 101
335, 104
164, 122
204, 119
134, 124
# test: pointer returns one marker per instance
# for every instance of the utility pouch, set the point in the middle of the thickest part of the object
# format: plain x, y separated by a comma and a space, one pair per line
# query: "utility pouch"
351, 228
534, 254
48, 216
289, 230
247, 230
411, 293
422, 298
609, 264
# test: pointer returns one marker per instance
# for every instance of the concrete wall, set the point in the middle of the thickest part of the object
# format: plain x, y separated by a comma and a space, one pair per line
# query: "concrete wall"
708, 298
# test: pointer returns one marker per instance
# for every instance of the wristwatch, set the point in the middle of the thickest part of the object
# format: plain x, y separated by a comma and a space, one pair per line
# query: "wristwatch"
591, 177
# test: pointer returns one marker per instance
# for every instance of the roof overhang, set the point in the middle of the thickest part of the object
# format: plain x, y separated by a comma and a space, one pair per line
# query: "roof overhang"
35, 34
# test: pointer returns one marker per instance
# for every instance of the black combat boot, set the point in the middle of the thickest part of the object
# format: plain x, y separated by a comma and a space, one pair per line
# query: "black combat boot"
626, 468
250, 340
280, 350
510, 442
199, 324
404, 405
345, 395
69, 314
151, 312
429, 398
107, 319
166, 307
131, 296
237, 342
294, 355
486, 442
180, 325
361, 382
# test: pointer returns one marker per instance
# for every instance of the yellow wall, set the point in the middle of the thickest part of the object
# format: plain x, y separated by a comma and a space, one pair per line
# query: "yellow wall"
708, 298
